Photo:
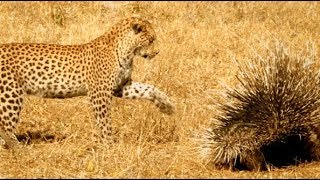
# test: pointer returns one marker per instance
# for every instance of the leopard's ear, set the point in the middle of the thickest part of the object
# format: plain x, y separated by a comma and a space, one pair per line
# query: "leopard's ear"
137, 28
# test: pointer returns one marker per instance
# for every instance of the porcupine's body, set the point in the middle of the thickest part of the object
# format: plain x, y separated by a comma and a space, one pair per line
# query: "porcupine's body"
273, 120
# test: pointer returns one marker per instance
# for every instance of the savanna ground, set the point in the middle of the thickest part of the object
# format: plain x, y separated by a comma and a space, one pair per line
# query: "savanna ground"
198, 41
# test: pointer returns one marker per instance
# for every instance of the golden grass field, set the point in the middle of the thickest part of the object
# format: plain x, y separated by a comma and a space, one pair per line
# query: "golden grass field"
197, 43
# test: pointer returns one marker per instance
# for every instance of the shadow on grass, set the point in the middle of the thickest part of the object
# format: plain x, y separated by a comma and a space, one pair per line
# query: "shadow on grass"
37, 137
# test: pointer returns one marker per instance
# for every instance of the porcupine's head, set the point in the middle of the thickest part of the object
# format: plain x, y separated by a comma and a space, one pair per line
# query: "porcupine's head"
273, 119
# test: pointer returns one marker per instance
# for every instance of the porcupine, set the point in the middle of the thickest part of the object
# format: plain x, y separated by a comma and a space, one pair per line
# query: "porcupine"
273, 119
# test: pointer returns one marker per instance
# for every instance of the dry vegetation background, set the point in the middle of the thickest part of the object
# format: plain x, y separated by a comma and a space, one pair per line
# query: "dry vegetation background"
197, 40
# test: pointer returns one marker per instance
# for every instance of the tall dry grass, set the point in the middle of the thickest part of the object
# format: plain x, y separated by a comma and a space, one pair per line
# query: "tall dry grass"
197, 40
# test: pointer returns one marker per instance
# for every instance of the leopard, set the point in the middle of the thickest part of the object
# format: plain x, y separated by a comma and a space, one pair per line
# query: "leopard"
100, 69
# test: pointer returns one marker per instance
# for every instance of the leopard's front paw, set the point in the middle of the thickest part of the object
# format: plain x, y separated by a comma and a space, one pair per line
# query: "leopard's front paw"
166, 107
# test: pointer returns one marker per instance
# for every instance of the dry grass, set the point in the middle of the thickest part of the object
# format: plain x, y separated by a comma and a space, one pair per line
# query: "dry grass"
197, 42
